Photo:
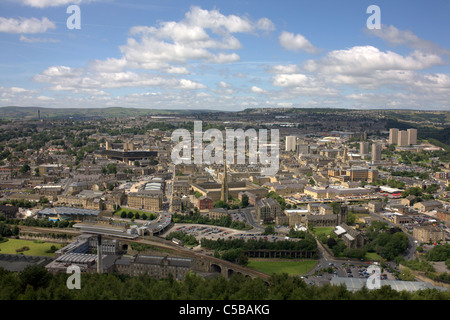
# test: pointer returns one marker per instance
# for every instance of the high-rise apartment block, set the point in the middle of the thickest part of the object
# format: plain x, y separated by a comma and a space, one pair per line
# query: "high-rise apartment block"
303, 148
393, 136
376, 152
364, 147
412, 136
403, 138
291, 143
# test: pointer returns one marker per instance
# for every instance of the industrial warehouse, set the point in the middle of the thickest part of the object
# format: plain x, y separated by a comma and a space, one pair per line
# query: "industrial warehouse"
68, 213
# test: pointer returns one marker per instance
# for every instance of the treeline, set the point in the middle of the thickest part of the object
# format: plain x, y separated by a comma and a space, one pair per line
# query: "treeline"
30, 222
8, 231
410, 174
389, 182
35, 283
306, 244
19, 203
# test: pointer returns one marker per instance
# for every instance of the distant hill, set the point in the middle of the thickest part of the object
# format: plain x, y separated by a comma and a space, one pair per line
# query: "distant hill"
30, 113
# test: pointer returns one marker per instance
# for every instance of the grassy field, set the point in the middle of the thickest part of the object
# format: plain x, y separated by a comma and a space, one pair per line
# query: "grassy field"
373, 256
36, 248
323, 230
291, 267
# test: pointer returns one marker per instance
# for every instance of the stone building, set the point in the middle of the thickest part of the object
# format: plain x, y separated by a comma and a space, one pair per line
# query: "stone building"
327, 220
147, 200
428, 234
352, 238
155, 266
266, 208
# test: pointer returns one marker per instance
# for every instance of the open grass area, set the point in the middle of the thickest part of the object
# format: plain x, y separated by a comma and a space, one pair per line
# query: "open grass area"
35, 248
323, 230
373, 256
291, 267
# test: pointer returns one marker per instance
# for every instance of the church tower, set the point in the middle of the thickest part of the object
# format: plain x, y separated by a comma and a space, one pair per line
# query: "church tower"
342, 215
345, 155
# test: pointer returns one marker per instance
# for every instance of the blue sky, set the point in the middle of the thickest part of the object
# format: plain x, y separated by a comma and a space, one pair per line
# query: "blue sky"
225, 55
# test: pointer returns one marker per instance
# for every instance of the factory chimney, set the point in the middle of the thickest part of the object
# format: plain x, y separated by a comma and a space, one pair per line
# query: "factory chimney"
99, 254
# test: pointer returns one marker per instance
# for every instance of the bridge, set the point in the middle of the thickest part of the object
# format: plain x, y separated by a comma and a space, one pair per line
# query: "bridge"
226, 268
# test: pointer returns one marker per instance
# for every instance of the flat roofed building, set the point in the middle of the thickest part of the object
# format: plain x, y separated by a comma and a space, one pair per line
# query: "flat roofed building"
356, 284
68, 212
128, 155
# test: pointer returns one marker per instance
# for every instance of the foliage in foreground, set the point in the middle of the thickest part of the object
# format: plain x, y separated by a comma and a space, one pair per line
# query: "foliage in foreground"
36, 283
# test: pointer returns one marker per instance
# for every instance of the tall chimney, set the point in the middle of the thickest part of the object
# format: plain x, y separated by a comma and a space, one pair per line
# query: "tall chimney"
99, 254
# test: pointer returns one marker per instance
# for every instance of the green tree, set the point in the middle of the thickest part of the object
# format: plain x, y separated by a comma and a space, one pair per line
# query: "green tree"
111, 168
269, 230
25, 168
35, 276
244, 201
220, 204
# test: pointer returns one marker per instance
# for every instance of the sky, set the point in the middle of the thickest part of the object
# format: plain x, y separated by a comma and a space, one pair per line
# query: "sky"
225, 55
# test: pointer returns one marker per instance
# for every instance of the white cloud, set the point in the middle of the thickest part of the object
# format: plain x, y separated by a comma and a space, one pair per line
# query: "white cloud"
6, 92
83, 81
45, 98
159, 56
290, 68
368, 59
296, 42
37, 40
289, 80
203, 35
256, 89
217, 22
223, 84
24, 25
398, 37
265, 24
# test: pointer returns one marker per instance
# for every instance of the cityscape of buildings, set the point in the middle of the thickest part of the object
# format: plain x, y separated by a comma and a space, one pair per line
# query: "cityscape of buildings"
94, 173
